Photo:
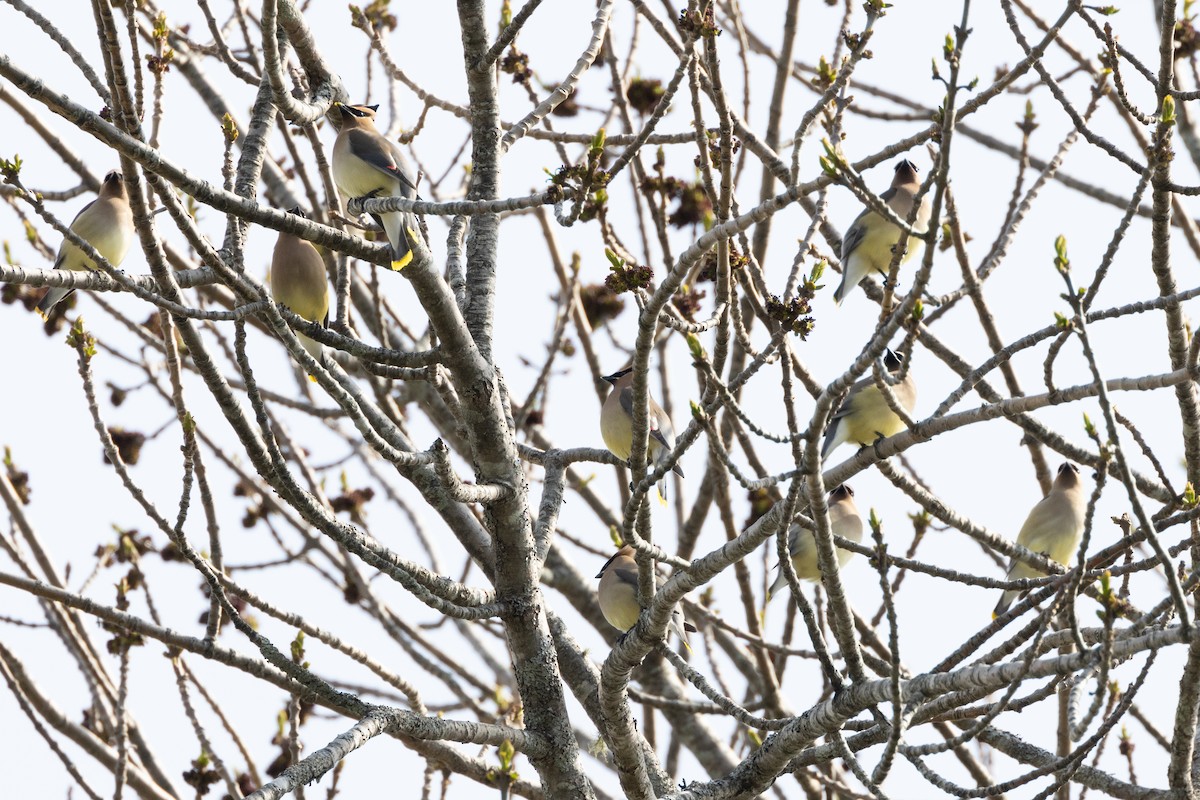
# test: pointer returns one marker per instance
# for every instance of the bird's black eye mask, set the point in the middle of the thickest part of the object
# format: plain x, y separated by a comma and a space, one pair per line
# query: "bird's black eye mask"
892, 361
618, 374
611, 559
358, 112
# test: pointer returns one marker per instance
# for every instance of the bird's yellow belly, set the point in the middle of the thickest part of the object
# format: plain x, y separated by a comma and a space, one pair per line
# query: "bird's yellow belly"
872, 418
804, 560
623, 611
876, 248
1058, 545
618, 436
358, 179
112, 244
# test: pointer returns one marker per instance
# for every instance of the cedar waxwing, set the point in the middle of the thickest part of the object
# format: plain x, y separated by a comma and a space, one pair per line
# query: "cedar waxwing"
616, 425
868, 244
298, 281
618, 595
1053, 528
365, 164
864, 415
106, 224
845, 521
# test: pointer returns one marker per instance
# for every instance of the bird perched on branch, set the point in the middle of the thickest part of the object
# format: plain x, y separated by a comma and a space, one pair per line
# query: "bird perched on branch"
618, 595
865, 415
868, 244
366, 164
802, 544
298, 281
616, 425
1053, 528
106, 224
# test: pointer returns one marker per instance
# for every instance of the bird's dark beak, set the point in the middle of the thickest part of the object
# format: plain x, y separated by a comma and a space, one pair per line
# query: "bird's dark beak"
610, 379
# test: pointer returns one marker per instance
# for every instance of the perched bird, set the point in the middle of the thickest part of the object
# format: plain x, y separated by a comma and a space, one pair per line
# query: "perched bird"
868, 244
802, 544
616, 425
106, 224
618, 595
298, 281
1053, 528
864, 415
365, 164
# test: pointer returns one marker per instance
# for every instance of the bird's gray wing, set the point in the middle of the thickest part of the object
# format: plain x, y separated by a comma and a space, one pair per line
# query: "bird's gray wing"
855, 236
627, 575
845, 407
1012, 564
62, 251
842, 411
626, 398
858, 231
376, 151
85, 208
408, 177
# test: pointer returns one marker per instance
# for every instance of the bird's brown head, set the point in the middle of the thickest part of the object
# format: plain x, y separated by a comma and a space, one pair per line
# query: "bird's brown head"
362, 111
907, 174
1068, 476
624, 552
113, 185
841, 492
892, 361
620, 376
343, 115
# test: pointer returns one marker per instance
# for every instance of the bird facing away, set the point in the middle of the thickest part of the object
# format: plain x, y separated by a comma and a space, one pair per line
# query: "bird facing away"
616, 425
868, 244
298, 281
618, 595
366, 164
1053, 528
802, 544
106, 224
864, 415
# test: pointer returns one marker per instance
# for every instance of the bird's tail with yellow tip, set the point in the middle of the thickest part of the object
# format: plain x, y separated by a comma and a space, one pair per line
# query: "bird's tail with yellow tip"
315, 349
50, 300
1006, 600
681, 627
401, 230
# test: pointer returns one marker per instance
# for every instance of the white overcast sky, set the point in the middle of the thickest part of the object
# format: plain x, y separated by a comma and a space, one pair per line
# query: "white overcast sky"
981, 471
